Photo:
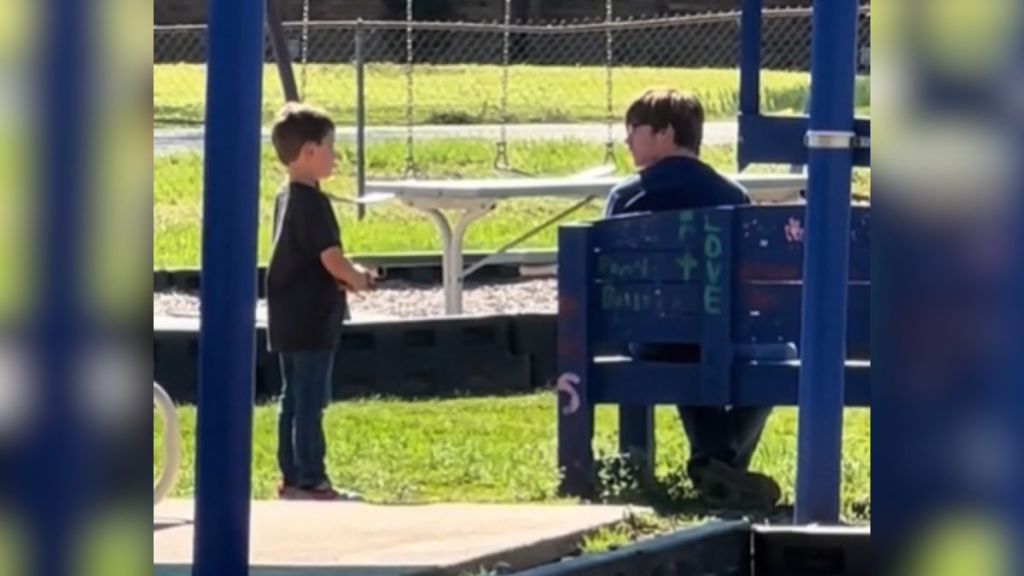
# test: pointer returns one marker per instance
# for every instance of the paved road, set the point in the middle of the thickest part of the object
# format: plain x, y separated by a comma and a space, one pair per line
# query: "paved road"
168, 141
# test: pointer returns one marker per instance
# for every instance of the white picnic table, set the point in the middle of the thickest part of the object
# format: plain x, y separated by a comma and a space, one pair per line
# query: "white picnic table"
471, 200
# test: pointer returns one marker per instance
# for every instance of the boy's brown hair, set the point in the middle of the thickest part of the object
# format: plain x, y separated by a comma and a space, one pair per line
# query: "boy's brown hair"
296, 125
664, 107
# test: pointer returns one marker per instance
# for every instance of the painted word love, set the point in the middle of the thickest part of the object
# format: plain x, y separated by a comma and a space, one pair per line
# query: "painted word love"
712, 252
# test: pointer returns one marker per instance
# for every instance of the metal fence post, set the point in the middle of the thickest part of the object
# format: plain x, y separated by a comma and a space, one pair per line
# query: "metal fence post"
360, 56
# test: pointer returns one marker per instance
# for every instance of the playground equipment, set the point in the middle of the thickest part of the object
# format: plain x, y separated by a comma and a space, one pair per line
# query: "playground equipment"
829, 142
501, 162
228, 292
172, 443
722, 287
294, 90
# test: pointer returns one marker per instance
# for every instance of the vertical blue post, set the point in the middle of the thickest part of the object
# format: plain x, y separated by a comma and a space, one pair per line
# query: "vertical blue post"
56, 444
231, 183
1012, 399
750, 73
750, 58
575, 358
826, 262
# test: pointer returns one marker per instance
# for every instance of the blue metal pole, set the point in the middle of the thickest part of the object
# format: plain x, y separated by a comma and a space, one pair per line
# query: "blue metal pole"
228, 288
58, 441
826, 262
750, 58
750, 74
1013, 399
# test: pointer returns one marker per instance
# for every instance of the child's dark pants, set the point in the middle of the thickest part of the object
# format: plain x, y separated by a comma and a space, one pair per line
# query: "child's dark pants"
306, 379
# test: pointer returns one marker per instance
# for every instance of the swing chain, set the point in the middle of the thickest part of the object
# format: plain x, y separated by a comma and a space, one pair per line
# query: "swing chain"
609, 151
305, 46
501, 158
410, 168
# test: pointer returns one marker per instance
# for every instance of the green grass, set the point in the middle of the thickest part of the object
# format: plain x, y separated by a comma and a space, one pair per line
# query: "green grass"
109, 542
12, 546
15, 248
503, 450
391, 227
472, 93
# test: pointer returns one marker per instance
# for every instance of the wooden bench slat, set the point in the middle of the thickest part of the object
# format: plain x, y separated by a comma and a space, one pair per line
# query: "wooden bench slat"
769, 244
770, 312
626, 382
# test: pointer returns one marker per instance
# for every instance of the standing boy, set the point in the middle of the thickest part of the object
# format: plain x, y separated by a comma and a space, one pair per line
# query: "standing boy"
306, 282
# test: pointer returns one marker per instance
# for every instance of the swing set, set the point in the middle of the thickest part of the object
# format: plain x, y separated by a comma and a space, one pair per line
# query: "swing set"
502, 165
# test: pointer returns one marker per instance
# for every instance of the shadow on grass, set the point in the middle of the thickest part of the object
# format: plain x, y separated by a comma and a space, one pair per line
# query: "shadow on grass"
621, 480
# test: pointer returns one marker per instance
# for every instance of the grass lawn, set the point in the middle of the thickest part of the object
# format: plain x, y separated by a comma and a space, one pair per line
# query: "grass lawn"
109, 542
503, 450
472, 93
177, 207
15, 226
12, 559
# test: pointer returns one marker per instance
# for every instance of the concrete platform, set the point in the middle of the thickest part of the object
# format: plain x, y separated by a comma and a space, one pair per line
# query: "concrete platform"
317, 539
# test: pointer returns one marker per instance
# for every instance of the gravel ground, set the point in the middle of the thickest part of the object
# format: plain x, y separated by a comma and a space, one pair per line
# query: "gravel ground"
402, 300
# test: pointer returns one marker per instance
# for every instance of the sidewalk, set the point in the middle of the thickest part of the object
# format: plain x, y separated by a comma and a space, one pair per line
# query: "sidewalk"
315, 538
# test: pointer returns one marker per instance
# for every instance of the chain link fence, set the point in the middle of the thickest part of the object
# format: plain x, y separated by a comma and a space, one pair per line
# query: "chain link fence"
555, 73
454, 100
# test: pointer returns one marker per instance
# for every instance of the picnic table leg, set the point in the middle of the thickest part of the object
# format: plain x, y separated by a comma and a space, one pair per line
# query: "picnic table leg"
453, 294
451, 250
444, 230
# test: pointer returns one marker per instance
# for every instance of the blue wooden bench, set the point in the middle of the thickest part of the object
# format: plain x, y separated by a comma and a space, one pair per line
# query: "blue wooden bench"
720, 289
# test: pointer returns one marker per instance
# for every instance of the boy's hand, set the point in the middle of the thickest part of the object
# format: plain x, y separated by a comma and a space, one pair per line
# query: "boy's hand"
347, 274
364, 281
361, 283
367, 276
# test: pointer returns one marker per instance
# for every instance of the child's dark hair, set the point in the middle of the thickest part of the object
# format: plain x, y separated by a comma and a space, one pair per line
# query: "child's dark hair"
297, 124
661, 108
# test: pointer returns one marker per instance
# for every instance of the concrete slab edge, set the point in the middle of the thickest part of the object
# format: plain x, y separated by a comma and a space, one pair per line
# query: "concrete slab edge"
527, 556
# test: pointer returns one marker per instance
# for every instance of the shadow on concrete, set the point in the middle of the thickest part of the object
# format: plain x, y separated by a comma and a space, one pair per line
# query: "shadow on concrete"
167, 523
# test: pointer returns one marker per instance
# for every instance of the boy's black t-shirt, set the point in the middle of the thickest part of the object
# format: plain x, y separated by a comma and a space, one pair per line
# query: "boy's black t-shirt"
305, 307
675, 183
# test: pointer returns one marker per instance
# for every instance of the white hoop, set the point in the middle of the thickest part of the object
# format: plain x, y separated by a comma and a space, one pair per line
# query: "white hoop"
172, 445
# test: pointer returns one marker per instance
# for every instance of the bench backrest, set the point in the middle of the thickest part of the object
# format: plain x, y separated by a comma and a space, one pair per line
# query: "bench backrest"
725, 283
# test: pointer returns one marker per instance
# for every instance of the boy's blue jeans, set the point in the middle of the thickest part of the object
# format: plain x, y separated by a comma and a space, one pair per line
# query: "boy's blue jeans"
729, 435
301, 449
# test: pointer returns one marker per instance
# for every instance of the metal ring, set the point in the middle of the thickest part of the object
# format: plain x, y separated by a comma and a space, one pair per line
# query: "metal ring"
829, 139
